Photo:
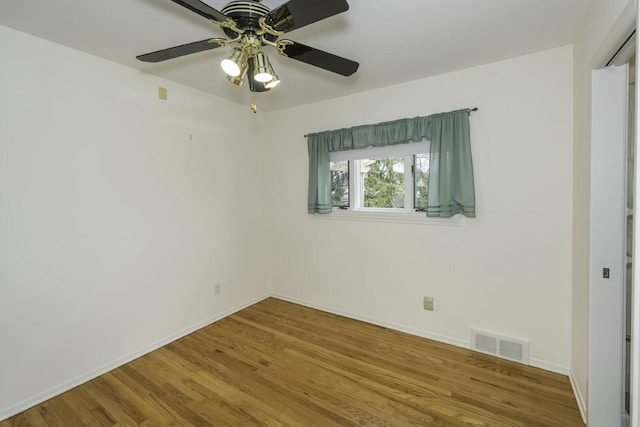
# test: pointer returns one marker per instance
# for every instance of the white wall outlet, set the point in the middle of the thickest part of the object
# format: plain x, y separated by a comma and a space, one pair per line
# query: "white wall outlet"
427, 303
217, 290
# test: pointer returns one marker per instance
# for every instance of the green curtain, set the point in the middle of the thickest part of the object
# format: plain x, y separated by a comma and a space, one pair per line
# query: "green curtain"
319, 176
451, 189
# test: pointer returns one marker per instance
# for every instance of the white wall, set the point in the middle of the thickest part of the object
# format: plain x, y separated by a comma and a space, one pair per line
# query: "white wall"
581, 228
119, 213
508, 270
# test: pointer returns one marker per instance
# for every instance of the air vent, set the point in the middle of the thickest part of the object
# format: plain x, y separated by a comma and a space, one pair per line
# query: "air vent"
501, 346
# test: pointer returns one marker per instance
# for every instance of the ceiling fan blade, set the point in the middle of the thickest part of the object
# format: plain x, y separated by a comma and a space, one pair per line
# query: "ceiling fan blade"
202, 9
182, 50
320, 58
298, 13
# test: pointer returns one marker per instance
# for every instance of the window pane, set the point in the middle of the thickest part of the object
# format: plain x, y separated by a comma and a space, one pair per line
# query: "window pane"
421, 180
339, 183
382, 183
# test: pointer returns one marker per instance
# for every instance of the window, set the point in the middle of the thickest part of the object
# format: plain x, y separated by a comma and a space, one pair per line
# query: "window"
385, 179
403, 182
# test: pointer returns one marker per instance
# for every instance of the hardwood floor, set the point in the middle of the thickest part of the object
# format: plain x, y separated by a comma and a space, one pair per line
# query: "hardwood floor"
281, 364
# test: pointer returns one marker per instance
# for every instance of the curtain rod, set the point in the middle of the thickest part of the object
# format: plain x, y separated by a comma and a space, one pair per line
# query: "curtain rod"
472, 109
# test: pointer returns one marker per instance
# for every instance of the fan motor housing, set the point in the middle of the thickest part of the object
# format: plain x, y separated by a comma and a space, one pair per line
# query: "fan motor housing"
246, 15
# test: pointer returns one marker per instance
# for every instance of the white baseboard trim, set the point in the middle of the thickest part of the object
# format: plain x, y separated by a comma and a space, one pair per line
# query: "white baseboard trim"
88, 376
547, 366
579, 399
390, 325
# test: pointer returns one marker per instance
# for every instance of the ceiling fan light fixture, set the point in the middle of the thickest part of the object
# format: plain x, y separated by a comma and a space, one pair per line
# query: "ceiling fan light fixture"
263, 69
238, 81
275, 81
235, 64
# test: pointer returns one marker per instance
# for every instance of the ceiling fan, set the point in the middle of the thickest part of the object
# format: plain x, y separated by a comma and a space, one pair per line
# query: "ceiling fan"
253, 25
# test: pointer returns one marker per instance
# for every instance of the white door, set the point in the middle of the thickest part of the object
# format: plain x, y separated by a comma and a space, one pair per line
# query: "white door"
608, 217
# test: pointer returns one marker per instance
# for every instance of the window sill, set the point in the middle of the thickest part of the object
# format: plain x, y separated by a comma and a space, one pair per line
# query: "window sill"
382, 216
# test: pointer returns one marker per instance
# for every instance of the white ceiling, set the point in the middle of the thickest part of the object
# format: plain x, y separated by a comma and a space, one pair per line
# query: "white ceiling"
394, 41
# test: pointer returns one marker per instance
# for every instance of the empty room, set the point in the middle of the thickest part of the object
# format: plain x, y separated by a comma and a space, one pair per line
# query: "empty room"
318, 213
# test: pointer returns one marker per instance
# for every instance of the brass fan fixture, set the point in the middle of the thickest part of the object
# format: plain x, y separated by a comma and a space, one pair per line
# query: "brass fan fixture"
254, 26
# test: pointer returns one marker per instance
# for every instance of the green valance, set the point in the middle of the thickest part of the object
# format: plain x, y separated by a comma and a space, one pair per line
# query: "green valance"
451, 186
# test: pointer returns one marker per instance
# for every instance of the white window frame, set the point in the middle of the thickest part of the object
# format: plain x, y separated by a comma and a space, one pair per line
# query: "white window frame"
355, 174
404, 215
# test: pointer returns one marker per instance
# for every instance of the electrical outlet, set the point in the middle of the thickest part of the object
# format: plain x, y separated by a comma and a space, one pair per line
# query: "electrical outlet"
427, 303
217, 289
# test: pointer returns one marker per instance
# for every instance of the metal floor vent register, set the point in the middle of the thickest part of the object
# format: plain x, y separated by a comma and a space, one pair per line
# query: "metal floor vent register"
500, 346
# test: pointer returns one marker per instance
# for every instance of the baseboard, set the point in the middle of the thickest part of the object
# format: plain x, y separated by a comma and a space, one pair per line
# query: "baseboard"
88, 376
579, 399
390, 325
547, 366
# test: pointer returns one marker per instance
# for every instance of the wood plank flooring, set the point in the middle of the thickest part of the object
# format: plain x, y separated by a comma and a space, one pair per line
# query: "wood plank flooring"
281, 364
